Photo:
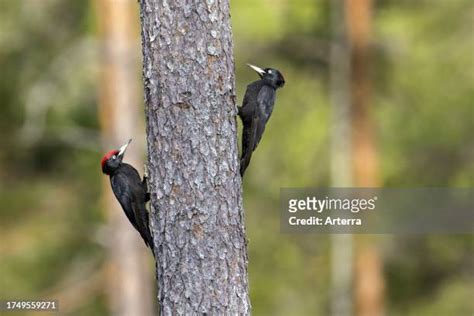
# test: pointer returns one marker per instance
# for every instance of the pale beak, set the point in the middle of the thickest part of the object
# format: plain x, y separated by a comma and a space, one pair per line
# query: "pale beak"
257, 69
124, 148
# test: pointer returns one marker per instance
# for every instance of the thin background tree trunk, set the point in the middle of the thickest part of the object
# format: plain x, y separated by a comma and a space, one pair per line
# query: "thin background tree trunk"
197, 215
341, 168
129, 275
353, 155
369, 281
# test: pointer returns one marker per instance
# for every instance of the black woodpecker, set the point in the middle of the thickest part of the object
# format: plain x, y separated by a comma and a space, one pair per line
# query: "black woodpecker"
129, 189
256, 110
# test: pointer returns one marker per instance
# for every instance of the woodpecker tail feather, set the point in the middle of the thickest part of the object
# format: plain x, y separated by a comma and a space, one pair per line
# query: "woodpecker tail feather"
244, 162
248, 144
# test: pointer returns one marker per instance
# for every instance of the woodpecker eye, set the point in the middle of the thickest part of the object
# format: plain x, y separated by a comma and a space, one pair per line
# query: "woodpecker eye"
270, 72
114, 157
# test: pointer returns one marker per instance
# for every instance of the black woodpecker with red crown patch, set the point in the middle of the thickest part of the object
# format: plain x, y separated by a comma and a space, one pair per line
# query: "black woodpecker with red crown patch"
256, 110
129, 189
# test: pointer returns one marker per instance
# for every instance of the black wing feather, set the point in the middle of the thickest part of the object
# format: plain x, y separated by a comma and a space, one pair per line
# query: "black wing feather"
132, 196
255, 112
248, 143
123, 194
265, 101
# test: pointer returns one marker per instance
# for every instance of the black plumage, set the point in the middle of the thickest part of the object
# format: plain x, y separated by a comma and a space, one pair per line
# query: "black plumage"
130, 191
257, 107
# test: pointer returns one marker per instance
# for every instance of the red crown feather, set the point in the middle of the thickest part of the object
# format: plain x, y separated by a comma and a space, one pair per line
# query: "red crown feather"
107, 157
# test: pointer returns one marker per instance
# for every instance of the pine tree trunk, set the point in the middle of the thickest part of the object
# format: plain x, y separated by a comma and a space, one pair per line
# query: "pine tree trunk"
197, 215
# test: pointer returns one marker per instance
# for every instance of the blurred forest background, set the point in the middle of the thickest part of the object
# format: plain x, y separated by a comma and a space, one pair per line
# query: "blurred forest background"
55, 229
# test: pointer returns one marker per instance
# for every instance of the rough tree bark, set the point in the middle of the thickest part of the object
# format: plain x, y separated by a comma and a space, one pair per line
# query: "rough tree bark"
197, 215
